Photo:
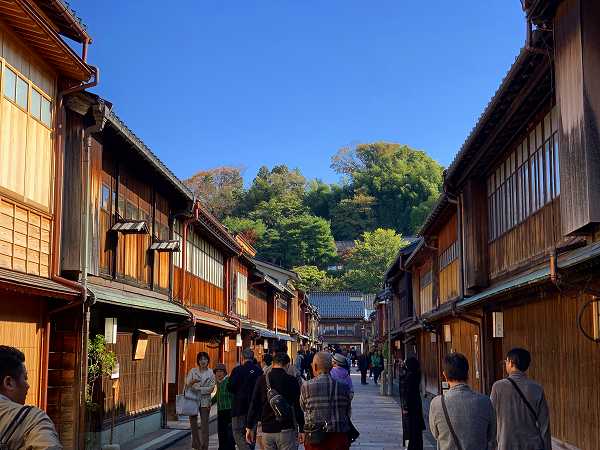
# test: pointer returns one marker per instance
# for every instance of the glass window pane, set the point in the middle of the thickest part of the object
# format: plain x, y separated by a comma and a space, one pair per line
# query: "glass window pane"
36, 103
10, 81
22, 93
46, 112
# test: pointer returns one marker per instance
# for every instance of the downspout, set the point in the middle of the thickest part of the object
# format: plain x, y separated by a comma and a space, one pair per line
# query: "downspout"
55, 265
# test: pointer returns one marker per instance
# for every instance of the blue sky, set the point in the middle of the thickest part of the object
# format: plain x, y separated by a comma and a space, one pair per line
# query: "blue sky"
248, 83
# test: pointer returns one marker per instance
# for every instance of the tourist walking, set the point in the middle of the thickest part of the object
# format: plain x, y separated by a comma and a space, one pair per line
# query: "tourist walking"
341, 372
413, 423
21, 427
279, 426
200, 384
377, 364
522, 417
363, 367
326, 406
223, 399
299, 363
461, 418
308, 359
241, 384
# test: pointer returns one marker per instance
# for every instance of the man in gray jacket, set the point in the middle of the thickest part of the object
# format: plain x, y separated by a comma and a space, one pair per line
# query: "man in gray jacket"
521, 408
461, 418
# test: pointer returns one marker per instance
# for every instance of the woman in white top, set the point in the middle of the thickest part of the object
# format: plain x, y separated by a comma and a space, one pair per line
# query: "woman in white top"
200, 383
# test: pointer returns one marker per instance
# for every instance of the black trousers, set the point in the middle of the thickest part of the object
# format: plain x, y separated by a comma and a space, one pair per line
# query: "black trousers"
376, 373
363, 376
226, 441
416, 442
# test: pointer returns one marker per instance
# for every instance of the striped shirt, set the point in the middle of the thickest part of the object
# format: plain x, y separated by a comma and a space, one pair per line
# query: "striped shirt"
223, 398
325, 401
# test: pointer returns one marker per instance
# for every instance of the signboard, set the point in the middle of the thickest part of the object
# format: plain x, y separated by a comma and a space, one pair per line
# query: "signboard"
498, 324
433, 337
447, 333
110, 330
115, 372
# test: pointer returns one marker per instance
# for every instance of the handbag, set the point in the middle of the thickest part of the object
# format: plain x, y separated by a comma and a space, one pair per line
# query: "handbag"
450, 427
531, 410
185, 405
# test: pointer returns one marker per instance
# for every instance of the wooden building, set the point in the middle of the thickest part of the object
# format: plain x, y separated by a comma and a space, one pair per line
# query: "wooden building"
38, 68
343, 318
510, 254
118, 241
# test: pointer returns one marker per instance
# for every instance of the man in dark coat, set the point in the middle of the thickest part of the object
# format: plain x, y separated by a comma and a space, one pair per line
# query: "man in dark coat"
363, 366
413, 423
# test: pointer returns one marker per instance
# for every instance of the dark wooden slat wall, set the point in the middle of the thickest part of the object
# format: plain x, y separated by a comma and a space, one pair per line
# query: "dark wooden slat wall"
528, 240
140, 381
563, 361
257, 306
427, 352
474, 207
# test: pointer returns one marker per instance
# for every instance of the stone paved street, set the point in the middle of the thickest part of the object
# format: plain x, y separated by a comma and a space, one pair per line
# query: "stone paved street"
378, 418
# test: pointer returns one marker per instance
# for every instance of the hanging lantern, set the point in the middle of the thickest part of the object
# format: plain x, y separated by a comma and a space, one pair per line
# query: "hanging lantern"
238, 340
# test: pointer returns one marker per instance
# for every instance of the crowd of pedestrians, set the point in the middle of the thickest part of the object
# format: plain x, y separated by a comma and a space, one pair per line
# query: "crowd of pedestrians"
283, 404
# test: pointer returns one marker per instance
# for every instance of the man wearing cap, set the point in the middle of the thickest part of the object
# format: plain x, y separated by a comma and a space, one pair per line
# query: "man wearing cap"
241, 385
223, 399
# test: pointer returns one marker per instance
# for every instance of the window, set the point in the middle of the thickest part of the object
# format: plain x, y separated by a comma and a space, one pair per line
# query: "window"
177, 235
526, 180
36, 104
46, 112
345, 330
105, 198
426, 279
449, 255
328, 329
10, 83
242, 295
204, 260
22, 92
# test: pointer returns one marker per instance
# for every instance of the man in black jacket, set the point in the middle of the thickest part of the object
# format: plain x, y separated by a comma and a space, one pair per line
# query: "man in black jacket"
278, 433
241, 385
363, 366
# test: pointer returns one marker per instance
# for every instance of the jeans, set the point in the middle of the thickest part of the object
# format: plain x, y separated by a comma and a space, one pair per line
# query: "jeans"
200, 436
285, 440
238, 425
226, 441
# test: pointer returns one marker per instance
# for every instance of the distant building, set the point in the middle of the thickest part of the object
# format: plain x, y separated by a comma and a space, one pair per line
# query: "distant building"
343, 318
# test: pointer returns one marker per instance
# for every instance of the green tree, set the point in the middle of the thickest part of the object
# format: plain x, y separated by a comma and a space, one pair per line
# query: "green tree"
252, 230
269, 184
314, 279
299, 240
397, 176
370, 258
353, 216
273, 211
420, 213
219, 189
321, 198
311, 277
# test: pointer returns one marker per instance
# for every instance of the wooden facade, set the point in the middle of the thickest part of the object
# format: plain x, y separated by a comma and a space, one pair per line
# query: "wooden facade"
521, 206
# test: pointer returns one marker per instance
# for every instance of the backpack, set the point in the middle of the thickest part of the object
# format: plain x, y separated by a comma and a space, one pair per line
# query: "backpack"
279, 405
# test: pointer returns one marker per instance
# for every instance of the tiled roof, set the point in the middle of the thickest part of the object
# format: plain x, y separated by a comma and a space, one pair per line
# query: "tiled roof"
332, 305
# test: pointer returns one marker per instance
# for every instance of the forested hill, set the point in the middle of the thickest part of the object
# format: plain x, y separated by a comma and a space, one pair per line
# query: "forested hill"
386, 192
